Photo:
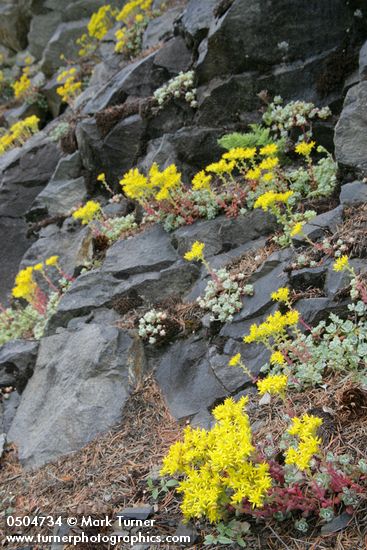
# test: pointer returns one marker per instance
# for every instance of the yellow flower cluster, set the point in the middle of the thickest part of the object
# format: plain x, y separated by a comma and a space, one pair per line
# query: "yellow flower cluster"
281, 295
158, 185
273, 384
341, 263
201, 180
88, 212
273, 325
99, 25
217, 465
296, 229
133, 14
305, 428
196, 253
221, 167
270, 198
71, 86
277, 358
133, 8
25, 286
305, 148
235, 361
240, 153
18, 133
22, 86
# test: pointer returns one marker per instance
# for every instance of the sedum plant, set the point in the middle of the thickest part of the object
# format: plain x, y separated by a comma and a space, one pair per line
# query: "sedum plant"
18, 133
179, 87
112, 228
281, 119
35, 286
223, 292
69, 85
152, 326
98, 26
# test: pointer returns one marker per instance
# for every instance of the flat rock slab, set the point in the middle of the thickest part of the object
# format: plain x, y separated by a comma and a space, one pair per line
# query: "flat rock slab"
79, 387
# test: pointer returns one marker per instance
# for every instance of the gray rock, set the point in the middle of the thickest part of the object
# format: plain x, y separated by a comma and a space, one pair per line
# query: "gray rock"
241, 29
14, 24
17, 360
19, 113
24, 172
13, 245
72, 244
150, 251
122, 146
314, 310
10, 407
363, 62
264, 286
198, 18
137, 512
41, 30
317, 227
188, 531
353, 193
160, 28
53, 99
97, 289
139, 78
190, 148
117, 152
337, 281
79, 9
186, 378
75, 396
351, 130
64, 191
233, 98
62, 42
308, 277
2, 443
174, 56
223, 234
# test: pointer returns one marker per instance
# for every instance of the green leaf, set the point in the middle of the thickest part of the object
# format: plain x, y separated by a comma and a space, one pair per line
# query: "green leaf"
172, 483
155, 493
224, 540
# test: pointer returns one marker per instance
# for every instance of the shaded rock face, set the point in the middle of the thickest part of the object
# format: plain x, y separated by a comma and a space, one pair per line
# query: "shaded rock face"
24, 173
74, 396
351, 130
17, 360
254, 34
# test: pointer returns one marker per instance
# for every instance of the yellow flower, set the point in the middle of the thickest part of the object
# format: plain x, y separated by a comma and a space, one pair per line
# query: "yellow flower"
240, 153
221, 167
38, 267
268, 176
269, 163
281, 295
196, 253
341, 263
22, 86
101, 177
269, 150
88, 212
305, 148
235, 360
135, 185
296, 229
273, 384
305, 428
254, 173
25, 286
52, 260
277, 358
71, 87
269, 198
201, 180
